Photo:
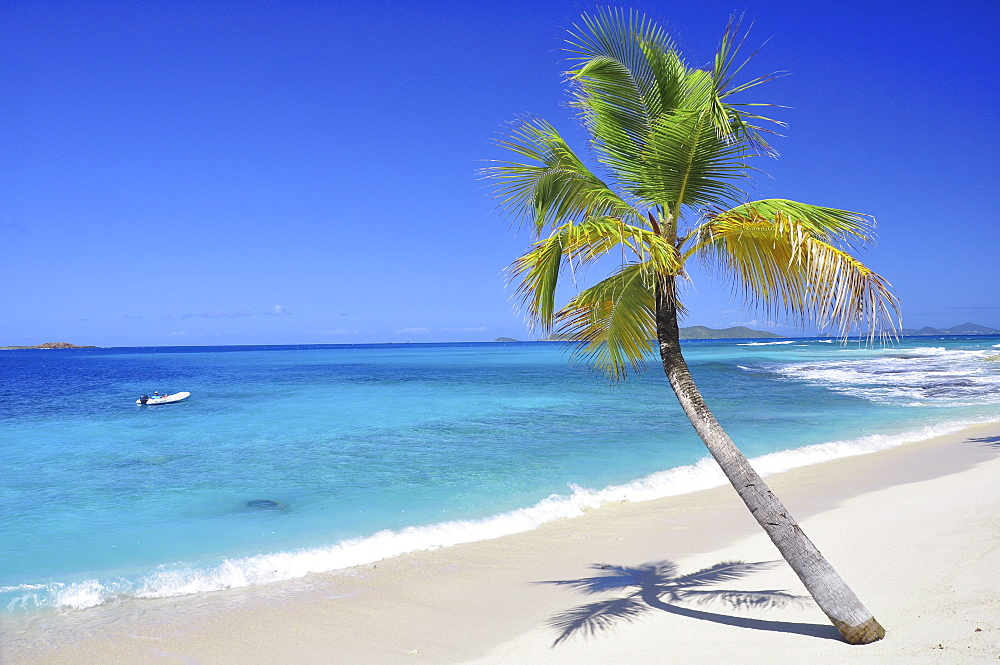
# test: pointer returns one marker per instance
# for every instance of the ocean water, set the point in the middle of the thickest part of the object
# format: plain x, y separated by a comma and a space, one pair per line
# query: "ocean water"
291, 460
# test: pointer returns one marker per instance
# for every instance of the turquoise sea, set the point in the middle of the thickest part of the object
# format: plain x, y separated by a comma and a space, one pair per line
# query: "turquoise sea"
290, 460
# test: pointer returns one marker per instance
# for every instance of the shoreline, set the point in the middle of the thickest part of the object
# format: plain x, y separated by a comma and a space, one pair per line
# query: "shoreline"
276, 566
485, 600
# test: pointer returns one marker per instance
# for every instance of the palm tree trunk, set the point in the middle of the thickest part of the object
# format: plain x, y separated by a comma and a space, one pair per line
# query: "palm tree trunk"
830, 592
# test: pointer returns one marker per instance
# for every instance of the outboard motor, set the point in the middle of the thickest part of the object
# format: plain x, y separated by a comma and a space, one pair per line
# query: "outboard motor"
143, 399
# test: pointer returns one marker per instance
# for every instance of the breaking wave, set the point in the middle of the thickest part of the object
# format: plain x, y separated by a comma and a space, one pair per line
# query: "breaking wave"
929, 376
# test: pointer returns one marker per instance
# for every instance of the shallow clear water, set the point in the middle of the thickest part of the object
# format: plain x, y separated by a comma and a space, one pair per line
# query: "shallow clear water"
288, 460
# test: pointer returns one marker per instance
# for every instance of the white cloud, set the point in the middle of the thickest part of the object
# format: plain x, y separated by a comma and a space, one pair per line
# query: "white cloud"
466, 330
279, 310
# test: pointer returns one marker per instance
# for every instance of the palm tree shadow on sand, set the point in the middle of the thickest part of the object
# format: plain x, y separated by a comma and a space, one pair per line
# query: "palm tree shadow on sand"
988, 440
658, 586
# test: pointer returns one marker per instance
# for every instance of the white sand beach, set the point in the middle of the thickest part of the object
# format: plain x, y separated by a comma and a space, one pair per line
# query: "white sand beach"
914, 530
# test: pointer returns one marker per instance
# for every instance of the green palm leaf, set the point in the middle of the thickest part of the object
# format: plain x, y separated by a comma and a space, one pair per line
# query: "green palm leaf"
687, 163
619, 89
614, 321
840, 227
726, 66
662, 129
576, 246
785, 263
557, 186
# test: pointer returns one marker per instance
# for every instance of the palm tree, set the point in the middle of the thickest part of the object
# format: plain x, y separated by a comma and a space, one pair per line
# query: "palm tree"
674, 147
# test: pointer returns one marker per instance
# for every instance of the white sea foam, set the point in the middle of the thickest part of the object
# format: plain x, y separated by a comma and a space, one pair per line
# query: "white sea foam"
181, 579
930, 376
21, 587
83, 594
764, 343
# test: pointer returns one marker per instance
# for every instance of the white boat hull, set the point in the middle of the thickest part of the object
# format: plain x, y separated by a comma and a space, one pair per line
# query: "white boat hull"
162, 399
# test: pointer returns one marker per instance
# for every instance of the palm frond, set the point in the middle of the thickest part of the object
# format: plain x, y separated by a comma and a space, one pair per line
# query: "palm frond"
786, 263
576, 246
612, 105
611, 51
616, 86
614, 321
688, 165
662, 128
840, 227
555, 185
669, 76
730, 124
631, 85
538, 270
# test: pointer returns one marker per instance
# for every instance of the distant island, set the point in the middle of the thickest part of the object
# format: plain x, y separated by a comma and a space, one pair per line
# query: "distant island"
701, 332
736, 332
742, 332
963, 329
505, 339
48, 345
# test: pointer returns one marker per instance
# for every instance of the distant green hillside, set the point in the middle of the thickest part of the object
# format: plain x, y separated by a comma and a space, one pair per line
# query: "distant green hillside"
963, 329
736, 332
701, 332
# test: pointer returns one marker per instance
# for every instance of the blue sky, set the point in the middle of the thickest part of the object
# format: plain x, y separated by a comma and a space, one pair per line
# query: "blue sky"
305, 172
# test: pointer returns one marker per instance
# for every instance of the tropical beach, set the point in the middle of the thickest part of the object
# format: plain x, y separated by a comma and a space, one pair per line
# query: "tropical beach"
913, 529
282, 434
